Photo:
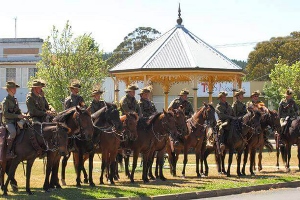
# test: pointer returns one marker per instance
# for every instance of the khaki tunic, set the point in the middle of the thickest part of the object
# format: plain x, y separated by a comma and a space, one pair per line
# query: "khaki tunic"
10, 110
189, 111
73, 100
147, 107
129, 104
288, 108
224, 111
97, 105
36, 107
239, 108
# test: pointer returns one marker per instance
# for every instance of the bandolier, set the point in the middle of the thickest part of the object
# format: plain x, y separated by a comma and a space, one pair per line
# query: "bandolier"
182, 101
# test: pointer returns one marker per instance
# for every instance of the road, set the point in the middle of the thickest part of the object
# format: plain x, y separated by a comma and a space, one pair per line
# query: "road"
276, 194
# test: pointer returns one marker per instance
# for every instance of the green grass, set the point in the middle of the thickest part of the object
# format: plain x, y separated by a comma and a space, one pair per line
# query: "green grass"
173, 185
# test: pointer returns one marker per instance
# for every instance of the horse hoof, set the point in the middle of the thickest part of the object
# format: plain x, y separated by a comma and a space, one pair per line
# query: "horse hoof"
228, 175
86, 181
252, 174
92, 184
163, 179
78, 185
152, 178
29, 193
287, 170
63, 182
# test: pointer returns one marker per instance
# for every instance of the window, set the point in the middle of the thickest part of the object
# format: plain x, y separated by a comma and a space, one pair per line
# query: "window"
31, 72
10, 74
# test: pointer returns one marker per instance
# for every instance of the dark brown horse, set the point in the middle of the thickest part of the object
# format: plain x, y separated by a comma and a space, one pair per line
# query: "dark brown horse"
42, 137
80, 122
155, 129
236, 139
194, 138
291, 137
160, 146
272, 120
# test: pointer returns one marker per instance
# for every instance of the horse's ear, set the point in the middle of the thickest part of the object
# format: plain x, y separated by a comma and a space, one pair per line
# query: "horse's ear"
170, 109
165, 112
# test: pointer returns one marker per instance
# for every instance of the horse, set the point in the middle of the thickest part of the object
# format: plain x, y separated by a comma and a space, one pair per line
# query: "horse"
291, 137
239, 135
35, 140
80, 122
157, 127
271, 119
160, 146
196, 134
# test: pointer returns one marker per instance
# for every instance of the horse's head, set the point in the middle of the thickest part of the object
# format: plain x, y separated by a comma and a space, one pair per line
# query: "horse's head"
112, 117
61, 135
84, 122
205, 114
168, 123
180, 120
252, 121
130, 121
273, 121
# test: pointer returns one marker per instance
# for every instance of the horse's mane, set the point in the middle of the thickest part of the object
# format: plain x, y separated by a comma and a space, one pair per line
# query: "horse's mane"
109, 105
64, 115
97, 114
53, 127
153, 118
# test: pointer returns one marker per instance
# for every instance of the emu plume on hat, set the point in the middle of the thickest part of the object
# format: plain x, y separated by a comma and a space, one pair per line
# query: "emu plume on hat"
11, 84
222, 93
131, 88
75, 84
147, 89
239, 92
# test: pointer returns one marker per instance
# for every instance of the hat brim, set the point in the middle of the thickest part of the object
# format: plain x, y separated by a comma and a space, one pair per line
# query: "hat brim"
92, 95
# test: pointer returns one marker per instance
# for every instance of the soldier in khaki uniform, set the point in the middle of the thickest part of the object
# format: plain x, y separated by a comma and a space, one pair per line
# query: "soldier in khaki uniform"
11, 114
36, 104
97, 103
74, 99
288, 110
182, 100
225, 114
255, 103
47, 105
128, 103
239, 108
147, 107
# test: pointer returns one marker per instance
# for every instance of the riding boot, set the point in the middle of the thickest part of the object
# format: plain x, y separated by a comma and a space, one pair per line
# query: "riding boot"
9, 153
280, 142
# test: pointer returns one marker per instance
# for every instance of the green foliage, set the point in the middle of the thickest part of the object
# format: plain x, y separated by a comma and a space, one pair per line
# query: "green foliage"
240, 63
265, 55
133, 42
65, 58
283, 77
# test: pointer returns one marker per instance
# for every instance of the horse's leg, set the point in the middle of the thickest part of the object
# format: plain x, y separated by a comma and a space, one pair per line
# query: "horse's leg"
50, 157
176, 157
298, 145
246, 152
146, 163
185, 160
223, 171
91, 166
238, 163
252, 160
126, 162
160, 163
54, 181
103, 165
198, 156
79, 167
11, 170
288, 150
259, 165
134, 164
63, 168
149, 166
229, 162
28, 174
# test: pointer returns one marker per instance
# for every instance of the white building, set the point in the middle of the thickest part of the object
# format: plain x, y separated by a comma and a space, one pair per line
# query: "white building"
18, 58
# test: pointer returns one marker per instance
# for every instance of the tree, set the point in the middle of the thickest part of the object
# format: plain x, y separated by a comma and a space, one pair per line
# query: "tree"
133, 42
64, 58
240, 63
283, 77
265, 55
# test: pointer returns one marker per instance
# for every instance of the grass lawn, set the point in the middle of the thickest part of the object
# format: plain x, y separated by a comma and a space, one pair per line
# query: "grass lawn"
124, 188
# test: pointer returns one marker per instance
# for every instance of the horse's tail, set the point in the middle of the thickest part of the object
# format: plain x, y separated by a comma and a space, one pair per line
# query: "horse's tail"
283, 153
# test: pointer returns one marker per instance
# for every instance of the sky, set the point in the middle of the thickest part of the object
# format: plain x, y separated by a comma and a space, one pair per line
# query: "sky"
231, 26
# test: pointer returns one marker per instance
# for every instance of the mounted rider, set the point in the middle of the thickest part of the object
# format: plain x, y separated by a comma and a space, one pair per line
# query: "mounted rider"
11, 115
36, 104
74, 99
287, 111
239, 107
182, 100
225, 114
255, 103
147, 106
128, 103
47, 105
97, 103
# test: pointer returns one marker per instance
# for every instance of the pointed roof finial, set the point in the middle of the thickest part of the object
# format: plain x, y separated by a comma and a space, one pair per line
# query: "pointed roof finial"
179, 20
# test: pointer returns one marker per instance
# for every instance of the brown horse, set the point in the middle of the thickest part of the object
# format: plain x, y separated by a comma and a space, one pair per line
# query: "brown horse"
240, 134
155, 129
37, 138
291, 137
80, 122
272, 120
160, 146
194, 138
